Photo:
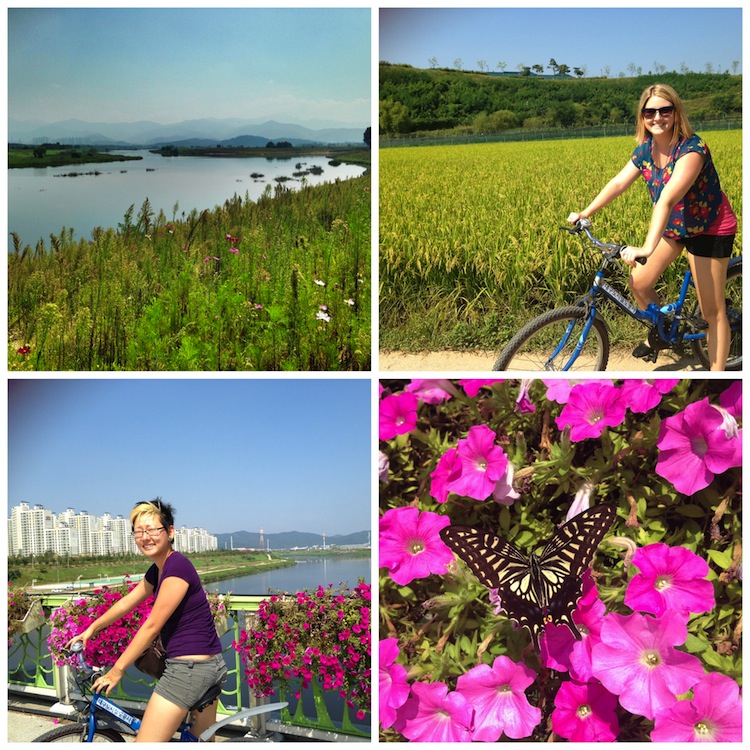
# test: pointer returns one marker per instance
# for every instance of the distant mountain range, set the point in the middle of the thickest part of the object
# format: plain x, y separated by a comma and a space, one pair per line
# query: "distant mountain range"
288, 540
206, 132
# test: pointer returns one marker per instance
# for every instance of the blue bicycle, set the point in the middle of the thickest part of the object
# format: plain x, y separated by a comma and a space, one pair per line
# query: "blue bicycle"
576, 337
101, 720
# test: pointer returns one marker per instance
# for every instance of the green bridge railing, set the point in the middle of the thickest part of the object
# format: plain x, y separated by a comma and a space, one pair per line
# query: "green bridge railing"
317, 714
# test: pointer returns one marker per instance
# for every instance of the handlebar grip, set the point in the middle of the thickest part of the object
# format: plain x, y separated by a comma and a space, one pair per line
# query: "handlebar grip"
640, 261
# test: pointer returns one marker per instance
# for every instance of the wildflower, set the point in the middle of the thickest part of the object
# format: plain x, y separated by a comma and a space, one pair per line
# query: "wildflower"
394, 690
432, 714
585, 713
410, 544
322, 315
483, 464
637, 661
671, 578
693, 448
642, 395
591, 407
500, 703
234, 250
714, 714
398, 415
349, 301
24, 350
319, 282
431, 391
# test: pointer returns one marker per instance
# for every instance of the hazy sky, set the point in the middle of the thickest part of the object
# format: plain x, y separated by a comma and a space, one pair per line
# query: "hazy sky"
284, 454
594, 37
168, 65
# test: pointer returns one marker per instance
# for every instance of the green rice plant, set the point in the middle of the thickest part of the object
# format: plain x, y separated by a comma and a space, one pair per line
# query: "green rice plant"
278, 283
470, 238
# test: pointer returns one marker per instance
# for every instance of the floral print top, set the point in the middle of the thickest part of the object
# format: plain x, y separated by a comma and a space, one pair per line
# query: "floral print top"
699, 209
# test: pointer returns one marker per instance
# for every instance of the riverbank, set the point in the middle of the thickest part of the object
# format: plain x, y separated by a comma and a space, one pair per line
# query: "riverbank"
20, 158
348, 155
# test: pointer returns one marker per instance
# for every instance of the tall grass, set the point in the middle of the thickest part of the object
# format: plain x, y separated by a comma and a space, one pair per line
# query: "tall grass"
470, 245
278, 284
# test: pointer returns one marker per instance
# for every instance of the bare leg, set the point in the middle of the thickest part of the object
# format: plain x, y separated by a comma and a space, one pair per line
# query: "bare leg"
160, 720
643, 278
204, 719
710, 278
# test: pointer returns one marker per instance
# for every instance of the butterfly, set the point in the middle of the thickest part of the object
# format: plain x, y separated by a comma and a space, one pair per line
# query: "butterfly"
537, 589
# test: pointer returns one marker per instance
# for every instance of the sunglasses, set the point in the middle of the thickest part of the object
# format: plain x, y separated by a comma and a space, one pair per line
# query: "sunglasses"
650, 112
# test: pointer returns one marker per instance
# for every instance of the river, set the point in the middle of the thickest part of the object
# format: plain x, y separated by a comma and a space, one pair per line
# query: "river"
42, 201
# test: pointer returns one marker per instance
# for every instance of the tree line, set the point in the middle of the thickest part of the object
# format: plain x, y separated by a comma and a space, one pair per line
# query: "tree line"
414, 99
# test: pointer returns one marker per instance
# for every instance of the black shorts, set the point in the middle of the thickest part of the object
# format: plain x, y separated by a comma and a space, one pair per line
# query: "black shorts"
709, 245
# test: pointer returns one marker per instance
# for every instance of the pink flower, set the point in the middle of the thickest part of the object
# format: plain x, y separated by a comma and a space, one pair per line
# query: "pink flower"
504, 492
432, 714
581, 501
591, 408
731, 399
713, 715
499, 701
671, 578
483, 464
471, 387
559, 390
636, 660
394, 690
448, 465
431, 391
398, 415
693, 448
642, 395
234, 250
410, 544
524, 404
585, 713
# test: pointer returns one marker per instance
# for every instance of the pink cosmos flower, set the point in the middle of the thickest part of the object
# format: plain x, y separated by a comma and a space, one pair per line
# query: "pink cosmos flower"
448, 465
500, 703
591, 408
585, 713
471, 387
234, 250
432, 714
410, 544
394, 690
642, 395
636, 660
398, 415
483, 464
693, 448
713, 715
431, 391
671, 578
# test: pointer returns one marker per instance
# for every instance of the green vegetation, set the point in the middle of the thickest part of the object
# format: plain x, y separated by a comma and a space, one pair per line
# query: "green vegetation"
414, 100
470, 245
41, 156
280, 283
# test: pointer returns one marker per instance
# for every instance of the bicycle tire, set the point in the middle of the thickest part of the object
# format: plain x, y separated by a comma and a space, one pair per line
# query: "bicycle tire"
733, 295
531, 347
77, 732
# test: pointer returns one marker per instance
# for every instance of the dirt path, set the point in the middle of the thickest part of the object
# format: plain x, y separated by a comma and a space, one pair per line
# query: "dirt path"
620, 361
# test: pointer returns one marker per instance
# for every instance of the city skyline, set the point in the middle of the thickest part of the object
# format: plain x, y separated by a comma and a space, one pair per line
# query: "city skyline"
230, 455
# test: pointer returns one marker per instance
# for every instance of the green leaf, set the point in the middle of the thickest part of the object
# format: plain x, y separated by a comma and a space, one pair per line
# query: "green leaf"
691, 511
722, 559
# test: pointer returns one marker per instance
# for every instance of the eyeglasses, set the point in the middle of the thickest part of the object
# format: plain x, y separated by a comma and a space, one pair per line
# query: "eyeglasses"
153, 533
650, 112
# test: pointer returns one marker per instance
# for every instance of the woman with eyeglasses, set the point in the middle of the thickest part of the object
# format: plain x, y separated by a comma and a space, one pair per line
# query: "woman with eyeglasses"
183, 617
689, 211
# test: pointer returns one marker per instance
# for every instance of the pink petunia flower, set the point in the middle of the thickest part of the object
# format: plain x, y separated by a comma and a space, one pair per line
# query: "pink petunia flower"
524, 404
500, 703
394, 689
398, 415
581, 501
483, 464
432, 714
504, 492
410, 544
731, 399
714, 714
642, 395
585, 712
636, 660
431, 391
693, 448
471, 386
383, 464
591, 408
671, 578
448, 466
559, 390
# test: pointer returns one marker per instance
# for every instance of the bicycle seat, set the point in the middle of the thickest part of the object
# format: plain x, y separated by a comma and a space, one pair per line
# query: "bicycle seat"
207, 698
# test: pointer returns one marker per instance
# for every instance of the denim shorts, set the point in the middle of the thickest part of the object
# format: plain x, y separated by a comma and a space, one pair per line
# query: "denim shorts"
709, 245
185, 681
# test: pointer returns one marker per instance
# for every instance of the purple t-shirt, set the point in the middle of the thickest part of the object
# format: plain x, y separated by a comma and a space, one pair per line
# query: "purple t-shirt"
190, 630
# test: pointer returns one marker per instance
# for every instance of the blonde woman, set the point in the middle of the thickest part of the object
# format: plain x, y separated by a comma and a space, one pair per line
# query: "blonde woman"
182, 615
689, 211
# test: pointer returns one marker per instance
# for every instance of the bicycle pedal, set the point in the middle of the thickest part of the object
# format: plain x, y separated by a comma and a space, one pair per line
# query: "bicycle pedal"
698, 323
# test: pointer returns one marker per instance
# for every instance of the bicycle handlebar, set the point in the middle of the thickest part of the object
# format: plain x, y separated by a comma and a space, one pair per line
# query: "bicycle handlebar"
611, 249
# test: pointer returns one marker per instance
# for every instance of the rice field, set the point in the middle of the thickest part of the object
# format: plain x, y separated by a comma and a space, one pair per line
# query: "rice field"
470, 245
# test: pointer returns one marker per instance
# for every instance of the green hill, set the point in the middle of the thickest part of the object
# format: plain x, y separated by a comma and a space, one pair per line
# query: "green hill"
417, 100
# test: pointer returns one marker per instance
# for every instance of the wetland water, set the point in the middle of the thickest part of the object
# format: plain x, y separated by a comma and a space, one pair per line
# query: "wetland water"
41, 201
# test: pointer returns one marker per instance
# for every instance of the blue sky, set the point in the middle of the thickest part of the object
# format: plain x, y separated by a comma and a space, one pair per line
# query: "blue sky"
591, 37
172, 64
229, 454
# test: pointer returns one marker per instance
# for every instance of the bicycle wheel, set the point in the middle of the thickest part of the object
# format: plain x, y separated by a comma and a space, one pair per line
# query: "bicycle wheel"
78, 733
548, 342
733, 294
